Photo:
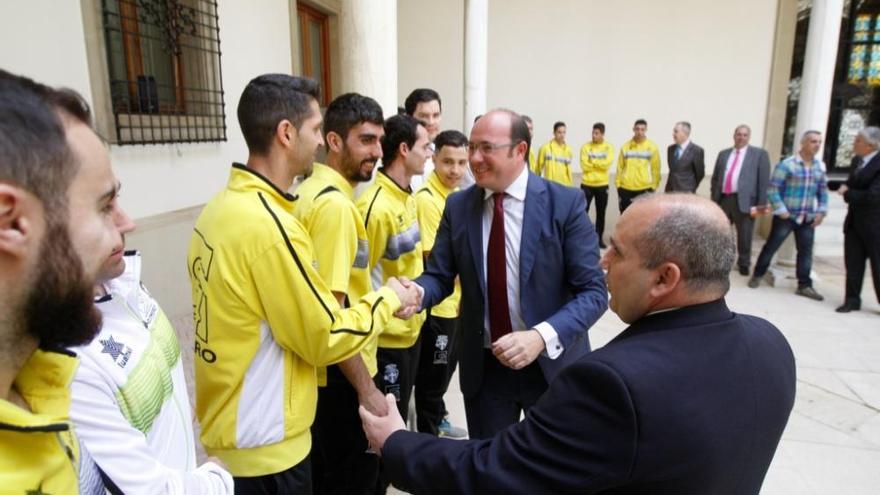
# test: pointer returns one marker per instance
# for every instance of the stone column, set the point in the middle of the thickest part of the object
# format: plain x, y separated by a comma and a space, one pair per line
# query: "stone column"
368, 54
814, 104
476, 47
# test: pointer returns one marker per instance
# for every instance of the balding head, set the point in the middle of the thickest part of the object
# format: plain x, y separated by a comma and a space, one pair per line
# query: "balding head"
669, 250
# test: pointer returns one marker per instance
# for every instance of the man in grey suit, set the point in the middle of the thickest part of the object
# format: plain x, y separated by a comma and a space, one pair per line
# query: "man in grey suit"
739, 186
686, 164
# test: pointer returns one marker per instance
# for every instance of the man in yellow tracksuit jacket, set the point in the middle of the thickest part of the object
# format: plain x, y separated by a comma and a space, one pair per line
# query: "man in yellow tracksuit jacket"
555, 157
439, 335
325, 205
597, 156
391, 220
533, 162
638, 167
264, 318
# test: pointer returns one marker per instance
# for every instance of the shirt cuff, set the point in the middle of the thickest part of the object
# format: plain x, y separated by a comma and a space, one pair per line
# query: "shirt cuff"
421, 295
552, 345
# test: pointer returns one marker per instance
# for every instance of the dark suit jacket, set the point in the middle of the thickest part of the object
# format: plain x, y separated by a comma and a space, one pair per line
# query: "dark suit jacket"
686, 402
686, 173
863, 197
559, 275
753, 179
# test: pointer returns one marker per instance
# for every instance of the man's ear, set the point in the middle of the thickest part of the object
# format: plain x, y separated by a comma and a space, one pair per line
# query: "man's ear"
403, 149
334, 142
668, 278
285, 133
17, 212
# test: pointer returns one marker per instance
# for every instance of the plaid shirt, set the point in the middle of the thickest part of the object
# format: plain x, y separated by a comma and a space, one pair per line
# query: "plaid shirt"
796, 188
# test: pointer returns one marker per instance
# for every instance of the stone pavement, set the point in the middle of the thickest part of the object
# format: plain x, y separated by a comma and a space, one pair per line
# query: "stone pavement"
832, 442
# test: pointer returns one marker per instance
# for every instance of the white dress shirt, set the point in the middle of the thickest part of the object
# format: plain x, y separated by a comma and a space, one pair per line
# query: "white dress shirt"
739, 167
514, 208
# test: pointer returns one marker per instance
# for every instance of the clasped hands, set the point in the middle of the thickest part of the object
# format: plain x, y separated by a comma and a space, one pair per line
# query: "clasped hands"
410, 296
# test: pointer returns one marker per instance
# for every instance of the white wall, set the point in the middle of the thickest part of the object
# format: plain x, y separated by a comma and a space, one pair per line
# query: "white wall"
586, 61
583, 61
430, 40
44, 39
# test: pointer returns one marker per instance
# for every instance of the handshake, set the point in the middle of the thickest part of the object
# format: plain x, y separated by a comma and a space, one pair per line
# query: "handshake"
409, 293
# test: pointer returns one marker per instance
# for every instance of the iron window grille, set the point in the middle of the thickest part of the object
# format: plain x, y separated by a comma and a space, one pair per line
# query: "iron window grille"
163, 57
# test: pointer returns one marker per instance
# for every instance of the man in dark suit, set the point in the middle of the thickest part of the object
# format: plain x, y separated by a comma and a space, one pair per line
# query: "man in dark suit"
739, 186
686, 164
528, 261
861, 228
690, 399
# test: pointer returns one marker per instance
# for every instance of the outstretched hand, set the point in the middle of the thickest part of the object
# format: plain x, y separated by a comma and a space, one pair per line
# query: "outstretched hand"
379, 428
409, 294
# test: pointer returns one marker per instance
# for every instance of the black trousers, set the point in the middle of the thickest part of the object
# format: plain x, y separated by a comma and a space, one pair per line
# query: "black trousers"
296, 479
504, 395
340, 462
397, 375
860, 246
745, 227
601, 195
438, 356
626, 197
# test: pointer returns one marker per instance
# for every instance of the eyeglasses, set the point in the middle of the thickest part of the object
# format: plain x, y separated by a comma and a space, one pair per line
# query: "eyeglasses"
487, 148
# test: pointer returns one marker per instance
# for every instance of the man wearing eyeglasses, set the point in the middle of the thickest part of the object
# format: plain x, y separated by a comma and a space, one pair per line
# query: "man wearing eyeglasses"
527, 257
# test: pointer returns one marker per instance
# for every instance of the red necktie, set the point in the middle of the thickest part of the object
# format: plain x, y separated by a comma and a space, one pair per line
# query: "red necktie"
496, 273
728, 181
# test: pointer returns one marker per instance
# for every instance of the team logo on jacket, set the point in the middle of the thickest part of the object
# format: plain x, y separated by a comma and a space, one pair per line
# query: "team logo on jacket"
118, 351
391, 376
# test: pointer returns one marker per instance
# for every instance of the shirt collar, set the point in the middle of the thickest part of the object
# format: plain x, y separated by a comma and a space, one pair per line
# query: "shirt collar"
436, 184
517, 189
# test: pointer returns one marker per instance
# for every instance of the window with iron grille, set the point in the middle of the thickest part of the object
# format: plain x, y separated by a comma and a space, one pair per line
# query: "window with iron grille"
163, 59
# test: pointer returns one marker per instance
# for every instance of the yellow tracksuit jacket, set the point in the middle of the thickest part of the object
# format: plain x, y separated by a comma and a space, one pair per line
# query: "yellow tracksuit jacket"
596, 159
638, 167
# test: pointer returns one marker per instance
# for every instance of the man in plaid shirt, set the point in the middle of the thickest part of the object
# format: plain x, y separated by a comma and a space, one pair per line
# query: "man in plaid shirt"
798, 193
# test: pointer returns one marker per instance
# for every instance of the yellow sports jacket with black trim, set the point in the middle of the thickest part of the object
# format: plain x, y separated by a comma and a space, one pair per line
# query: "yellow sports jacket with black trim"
264, 320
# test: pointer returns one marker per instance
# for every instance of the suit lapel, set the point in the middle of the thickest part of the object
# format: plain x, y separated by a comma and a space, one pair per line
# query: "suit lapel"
475, 233
533, 215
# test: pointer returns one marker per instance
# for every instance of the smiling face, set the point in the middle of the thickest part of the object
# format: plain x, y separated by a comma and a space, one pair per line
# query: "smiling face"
450, 163
495, 161
361, 151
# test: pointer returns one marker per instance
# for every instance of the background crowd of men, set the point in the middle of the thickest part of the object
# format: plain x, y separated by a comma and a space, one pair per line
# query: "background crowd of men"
318, 314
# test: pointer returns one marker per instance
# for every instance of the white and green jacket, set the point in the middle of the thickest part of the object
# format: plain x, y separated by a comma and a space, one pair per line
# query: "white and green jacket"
129, 399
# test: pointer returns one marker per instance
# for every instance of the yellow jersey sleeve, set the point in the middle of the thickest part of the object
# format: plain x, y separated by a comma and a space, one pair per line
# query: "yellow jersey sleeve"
655, 167
302, 312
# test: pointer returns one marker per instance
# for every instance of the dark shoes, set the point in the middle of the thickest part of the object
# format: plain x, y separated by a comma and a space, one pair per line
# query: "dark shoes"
754, 282
744, 271
847, 307
809, 292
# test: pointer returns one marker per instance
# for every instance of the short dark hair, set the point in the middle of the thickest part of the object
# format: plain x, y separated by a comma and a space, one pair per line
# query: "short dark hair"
349, 110
450, 138
526, 118
421, 95
600, 126
398, 129
641, 122
267, 100
558, 124
34, 153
